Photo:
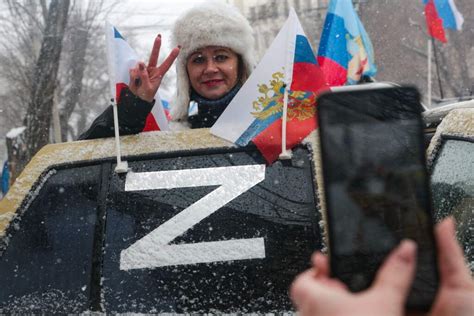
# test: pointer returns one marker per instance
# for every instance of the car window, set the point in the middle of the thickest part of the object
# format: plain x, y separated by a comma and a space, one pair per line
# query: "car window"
46, 265
236, 250
452, 184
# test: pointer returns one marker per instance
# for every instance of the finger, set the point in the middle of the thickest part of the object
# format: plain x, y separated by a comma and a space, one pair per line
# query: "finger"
142, 72
321, 264
134, 78
334, 283
155, 52
311, 296
169, 60
452, 267
302, 288
397, 272
322, 271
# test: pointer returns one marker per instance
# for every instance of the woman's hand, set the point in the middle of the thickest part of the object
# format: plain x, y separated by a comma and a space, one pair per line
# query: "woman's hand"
145, 80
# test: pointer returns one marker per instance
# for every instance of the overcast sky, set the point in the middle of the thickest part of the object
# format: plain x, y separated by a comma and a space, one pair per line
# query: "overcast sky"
144, 19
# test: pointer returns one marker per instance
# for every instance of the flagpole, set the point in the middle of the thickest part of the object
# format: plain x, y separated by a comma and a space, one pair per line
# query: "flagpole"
285, 154
290, 53
429, 72
122, 166
437, 70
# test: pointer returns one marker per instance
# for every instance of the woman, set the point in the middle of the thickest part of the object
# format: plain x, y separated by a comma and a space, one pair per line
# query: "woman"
214, 56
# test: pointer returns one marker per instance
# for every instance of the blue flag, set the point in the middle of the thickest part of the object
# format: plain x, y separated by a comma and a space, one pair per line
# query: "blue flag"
5, 178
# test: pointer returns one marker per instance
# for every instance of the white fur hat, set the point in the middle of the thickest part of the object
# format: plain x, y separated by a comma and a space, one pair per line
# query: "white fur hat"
213, 23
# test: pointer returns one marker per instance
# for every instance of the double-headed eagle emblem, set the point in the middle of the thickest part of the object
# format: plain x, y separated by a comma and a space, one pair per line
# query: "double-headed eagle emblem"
301, 104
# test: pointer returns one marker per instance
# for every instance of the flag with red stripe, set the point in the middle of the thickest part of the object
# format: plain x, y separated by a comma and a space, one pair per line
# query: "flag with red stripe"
121, 58
441, 15
255, 113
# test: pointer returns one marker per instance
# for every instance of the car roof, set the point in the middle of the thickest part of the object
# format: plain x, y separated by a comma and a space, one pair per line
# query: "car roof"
433, 117
459, 122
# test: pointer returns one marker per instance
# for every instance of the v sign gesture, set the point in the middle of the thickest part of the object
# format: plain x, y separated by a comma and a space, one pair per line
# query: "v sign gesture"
145, 80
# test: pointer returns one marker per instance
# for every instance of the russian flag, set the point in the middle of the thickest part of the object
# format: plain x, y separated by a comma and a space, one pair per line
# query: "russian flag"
441, 15
255, 113
121, 57
345, 51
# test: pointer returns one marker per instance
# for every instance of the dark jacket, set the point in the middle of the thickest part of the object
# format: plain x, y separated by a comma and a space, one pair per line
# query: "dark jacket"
132, 113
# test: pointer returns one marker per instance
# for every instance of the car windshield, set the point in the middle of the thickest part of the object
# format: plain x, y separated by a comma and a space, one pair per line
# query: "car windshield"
453, 189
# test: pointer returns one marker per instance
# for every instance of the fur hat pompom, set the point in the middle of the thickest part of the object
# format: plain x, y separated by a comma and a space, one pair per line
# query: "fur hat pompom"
213, 23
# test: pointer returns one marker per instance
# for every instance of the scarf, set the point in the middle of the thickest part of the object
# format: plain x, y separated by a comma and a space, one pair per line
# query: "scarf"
210, 110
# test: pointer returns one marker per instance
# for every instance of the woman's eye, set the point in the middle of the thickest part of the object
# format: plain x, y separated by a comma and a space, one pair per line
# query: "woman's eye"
220, 57
198, 59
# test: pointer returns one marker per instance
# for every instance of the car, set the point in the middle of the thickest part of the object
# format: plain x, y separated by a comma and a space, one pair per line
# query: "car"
433, 117
196, 225
451, 164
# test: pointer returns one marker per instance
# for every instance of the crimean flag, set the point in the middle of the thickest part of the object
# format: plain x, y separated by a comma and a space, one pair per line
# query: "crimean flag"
441, 15
121, 57
345, 51
255, 113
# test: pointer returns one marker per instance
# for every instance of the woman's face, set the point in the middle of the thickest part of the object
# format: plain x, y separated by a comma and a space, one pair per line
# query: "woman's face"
213, 71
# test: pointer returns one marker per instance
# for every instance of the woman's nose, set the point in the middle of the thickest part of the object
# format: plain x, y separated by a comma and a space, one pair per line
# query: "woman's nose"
211, 66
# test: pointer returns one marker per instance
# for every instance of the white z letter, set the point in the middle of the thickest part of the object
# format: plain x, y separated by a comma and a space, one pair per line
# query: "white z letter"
154, 249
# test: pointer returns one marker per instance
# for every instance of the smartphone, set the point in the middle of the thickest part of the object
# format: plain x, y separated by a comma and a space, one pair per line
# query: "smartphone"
376, 185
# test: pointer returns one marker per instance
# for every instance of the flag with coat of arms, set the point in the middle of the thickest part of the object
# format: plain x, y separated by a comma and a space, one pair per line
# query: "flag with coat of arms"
121, 58
345, 51
287, 80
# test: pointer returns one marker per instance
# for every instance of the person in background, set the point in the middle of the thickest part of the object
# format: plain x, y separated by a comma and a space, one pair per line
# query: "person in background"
214, 56
314, 293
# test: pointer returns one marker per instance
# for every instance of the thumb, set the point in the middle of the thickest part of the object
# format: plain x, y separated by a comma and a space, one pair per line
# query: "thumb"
313, 295
452, 266
396, 274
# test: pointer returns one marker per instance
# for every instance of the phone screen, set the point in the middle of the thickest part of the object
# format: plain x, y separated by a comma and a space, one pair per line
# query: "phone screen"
376, 185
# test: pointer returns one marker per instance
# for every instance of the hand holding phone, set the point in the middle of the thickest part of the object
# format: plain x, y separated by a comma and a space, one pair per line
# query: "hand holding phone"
314, 293
376, 185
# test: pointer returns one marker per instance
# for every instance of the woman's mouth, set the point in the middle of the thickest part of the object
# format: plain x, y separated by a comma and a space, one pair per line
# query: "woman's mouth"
213, 82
